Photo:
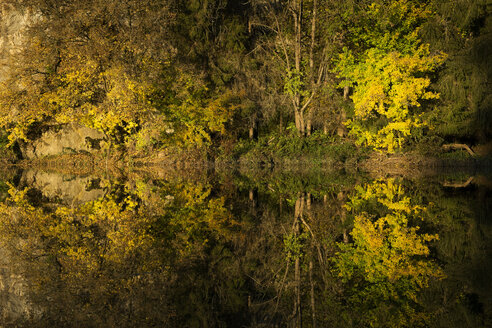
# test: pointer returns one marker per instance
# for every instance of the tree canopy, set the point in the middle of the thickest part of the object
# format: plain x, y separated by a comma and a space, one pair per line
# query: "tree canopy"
159, 73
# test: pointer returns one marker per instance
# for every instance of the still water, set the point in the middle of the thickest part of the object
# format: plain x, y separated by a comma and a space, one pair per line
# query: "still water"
283, 249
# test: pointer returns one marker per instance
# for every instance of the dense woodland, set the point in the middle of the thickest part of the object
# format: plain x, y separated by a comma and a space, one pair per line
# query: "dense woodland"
202, 74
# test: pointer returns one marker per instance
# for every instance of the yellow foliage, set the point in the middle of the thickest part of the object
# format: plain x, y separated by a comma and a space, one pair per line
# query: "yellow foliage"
390, 75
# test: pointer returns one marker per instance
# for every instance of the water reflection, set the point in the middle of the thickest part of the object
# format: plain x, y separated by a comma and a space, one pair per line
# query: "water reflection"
313, 250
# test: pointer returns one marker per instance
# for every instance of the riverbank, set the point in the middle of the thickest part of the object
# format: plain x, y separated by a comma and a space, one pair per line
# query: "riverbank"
271, 152
374, 163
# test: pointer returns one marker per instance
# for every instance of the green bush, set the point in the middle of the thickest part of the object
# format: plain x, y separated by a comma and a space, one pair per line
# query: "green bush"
317, 148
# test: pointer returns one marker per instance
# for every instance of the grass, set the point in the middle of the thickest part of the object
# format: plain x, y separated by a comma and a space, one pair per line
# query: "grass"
317, 149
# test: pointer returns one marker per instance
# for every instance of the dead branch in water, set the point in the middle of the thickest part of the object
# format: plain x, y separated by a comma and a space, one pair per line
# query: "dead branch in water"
458, 185
459, 146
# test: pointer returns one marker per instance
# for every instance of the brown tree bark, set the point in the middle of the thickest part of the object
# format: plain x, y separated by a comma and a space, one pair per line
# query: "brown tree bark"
313, 302
342, 129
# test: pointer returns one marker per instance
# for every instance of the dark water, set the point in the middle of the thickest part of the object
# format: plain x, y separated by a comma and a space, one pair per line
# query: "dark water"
285, 249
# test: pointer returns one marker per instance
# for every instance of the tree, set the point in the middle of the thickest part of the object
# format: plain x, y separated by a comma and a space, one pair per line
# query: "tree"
302, 37
112, 66
88, 62
462, 29
390, 75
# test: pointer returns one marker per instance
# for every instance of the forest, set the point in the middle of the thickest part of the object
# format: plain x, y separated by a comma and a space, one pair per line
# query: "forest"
239, 163
226, 78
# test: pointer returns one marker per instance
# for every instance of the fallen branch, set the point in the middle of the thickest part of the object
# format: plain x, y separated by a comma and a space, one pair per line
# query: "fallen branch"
459, 146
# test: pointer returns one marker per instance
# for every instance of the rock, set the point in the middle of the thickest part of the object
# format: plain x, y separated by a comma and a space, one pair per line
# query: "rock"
13, 25
71, 138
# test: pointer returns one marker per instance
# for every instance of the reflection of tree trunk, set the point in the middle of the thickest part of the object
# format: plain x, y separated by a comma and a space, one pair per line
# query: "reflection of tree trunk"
313, 310
298, 212
343, 214
459, 185
297, 278
308, 204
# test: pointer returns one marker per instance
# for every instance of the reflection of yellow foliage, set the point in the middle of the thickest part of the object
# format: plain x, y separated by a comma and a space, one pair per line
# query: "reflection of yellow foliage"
388, 259
198, 217
113, 230
389, 249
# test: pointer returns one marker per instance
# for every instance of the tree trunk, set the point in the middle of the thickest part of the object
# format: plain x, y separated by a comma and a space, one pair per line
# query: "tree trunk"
297, 117
459, 146
309, 127
300, 123
342, 129
297, 13
311, 65
253, 130
253, 196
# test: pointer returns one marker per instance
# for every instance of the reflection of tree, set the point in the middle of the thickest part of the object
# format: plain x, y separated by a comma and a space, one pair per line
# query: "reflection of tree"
116, 259
188, 253
387, 263
463, 219
292, 239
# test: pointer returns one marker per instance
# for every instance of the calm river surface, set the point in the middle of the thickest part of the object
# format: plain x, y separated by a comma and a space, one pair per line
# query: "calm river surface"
283, 249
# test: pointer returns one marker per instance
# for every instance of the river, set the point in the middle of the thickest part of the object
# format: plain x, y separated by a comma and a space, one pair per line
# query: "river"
258, 249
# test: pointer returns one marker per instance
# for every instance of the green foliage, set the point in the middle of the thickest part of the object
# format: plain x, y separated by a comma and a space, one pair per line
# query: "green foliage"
318, 149
195, 114
462, 29
293, 246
